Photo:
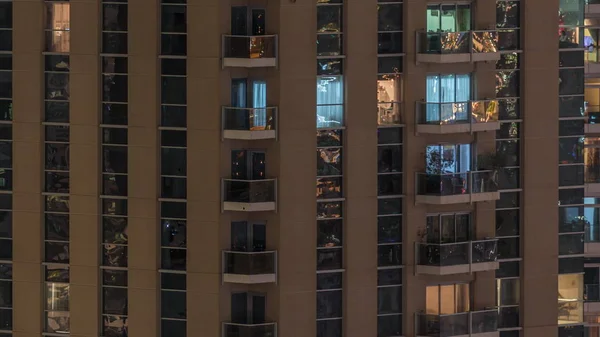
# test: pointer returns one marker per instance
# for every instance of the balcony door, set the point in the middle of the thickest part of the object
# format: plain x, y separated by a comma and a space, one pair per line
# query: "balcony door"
248, 21
252, 94
448, 158
448, 96
449, 228
248, 165
248, 308
248, 237
447, 299
448, 18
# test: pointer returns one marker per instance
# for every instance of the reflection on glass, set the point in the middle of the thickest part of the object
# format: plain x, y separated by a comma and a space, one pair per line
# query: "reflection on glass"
330, 101
57, 308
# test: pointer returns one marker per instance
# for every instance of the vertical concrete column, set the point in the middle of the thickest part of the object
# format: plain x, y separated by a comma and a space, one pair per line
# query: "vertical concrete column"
84, 168
297, 169
414, 161
360, 176
539, 225
203, 192
143, 162
27, 167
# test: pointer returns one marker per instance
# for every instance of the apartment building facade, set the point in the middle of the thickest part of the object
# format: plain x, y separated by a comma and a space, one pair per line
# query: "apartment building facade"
159, 175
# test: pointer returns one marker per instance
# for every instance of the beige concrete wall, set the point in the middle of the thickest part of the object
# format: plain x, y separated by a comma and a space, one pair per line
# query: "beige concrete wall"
204, 303
143, 165
539, 230
84, 164
360, 176
27, 169
297, 168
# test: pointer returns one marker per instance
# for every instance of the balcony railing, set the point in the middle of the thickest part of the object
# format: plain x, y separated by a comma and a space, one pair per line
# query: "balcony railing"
460, 324
453, 188
454, 47
471, 116
249, 123
249, 195
249, 267
249, 51
249, 330
456, 258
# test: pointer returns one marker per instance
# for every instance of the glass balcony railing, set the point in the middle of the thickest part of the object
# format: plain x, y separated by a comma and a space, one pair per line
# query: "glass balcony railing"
449, 184
249, 191
249, 263
250, 47
471, 112
459, 253
464, 323
249, 119
591, 293
469, 42
483, 251
249, 330
484, 321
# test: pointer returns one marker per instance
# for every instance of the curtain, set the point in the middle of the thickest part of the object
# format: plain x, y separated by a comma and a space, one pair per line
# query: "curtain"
464, 160
447, 95
330, 101
463, 95
433, 96
452, 92
259, 103
238, 93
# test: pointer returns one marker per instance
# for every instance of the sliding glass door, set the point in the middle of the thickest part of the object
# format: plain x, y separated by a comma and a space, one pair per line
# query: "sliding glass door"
448, 159
448, 98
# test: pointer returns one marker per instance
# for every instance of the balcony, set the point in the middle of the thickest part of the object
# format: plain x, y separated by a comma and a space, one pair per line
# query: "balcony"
249, 123
445, 118
456, 188
456, 258
457, 47
249, 51
249, 330
482, 323
250, 267
592, 112
249, 195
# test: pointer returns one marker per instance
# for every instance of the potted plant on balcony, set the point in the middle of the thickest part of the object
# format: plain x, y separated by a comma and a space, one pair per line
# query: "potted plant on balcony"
438, 165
